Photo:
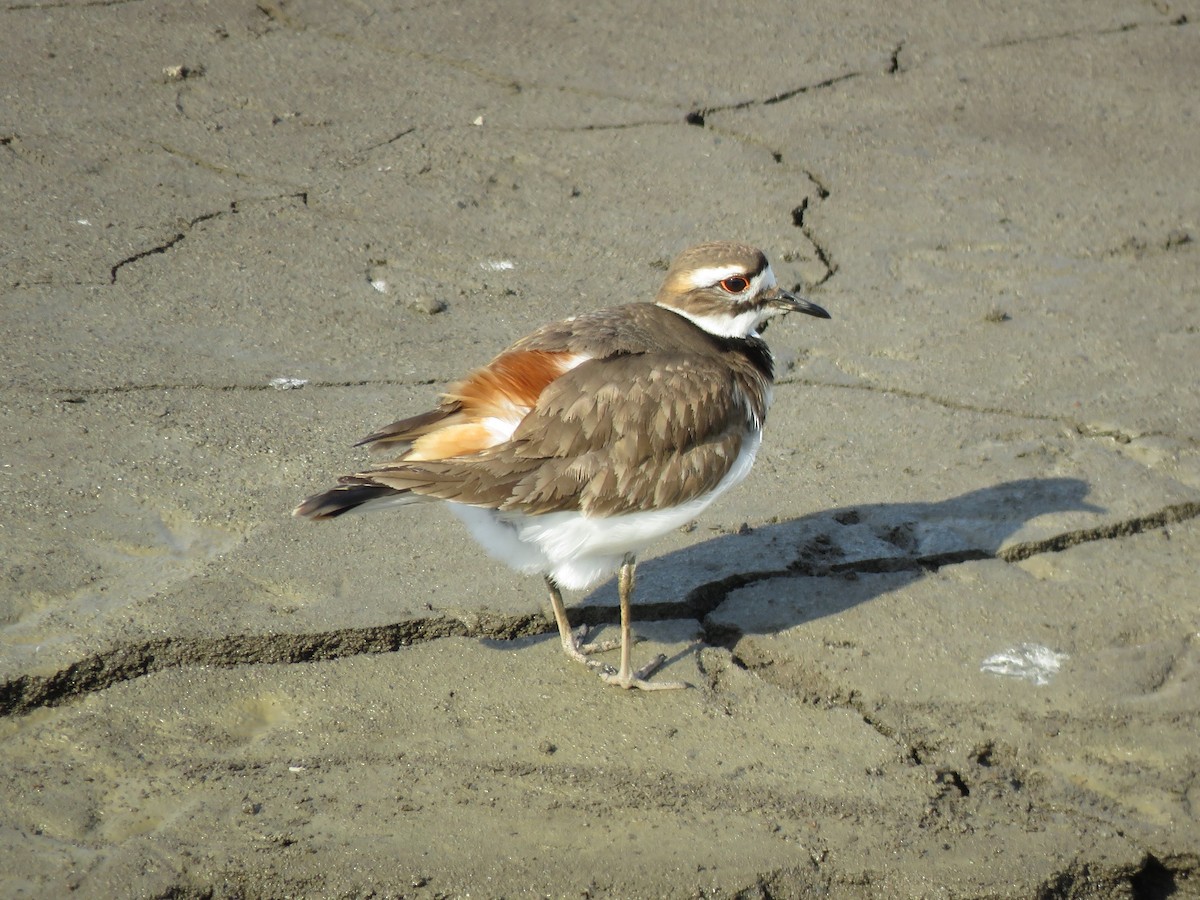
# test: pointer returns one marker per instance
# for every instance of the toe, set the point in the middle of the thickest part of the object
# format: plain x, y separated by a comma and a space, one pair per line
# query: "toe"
638, 680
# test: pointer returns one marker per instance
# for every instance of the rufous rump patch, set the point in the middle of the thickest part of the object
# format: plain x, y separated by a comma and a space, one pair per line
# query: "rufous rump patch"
514, 379
492, 402
453, 440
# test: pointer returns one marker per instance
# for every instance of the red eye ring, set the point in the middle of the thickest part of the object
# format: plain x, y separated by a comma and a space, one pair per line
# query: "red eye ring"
735, 284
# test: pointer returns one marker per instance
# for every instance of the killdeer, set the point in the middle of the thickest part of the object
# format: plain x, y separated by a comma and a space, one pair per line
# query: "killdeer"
579, 445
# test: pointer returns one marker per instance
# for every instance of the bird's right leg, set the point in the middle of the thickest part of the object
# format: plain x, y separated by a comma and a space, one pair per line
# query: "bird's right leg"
572, 641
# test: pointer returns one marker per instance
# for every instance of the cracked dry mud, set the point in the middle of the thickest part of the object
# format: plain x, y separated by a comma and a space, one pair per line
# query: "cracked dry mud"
945, 637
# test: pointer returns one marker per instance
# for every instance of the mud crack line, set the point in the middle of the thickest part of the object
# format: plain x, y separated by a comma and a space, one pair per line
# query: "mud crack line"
188, 225
78, 395
124, 662
133, 660
698, 116
1080, 428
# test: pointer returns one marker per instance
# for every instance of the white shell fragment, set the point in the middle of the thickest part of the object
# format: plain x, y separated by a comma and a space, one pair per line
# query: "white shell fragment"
283, 383
1030, 661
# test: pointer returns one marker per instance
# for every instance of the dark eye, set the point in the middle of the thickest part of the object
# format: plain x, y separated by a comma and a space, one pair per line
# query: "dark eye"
735, 284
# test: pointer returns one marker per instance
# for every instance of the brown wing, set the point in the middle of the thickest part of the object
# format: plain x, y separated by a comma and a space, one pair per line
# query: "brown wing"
606, 437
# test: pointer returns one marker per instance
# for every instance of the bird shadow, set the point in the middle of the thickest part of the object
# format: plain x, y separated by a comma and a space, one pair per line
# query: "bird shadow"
905, 541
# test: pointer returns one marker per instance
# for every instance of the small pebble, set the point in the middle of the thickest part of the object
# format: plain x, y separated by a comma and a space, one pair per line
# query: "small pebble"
430, 305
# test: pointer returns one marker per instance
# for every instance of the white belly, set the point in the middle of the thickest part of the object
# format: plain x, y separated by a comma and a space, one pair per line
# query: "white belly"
578, 551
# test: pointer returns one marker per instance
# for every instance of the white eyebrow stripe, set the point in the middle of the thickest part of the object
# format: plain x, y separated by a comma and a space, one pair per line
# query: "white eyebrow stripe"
710, 275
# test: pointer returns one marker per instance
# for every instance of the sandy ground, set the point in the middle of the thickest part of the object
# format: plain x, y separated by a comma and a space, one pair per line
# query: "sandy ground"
945, 641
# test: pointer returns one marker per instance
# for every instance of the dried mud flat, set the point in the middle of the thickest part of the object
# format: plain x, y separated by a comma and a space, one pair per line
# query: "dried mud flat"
945, 641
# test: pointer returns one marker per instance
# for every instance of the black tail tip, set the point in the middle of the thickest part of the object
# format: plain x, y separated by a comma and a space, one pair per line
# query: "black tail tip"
339, 500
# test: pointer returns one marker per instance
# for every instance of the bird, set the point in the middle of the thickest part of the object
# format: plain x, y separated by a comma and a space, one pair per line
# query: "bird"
579, 445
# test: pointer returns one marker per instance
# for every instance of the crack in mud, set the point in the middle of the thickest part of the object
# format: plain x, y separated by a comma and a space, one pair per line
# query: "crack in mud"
1170, 515
1178, 20
170, 242
124, 662
128, 661
66, 4
142, 254
76, 395
233, 209
614, 126
800, 220
824, 257
1080, 428
699, 116
357, 157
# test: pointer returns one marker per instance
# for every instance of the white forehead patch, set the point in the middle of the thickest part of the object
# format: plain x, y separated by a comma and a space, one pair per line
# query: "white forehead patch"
764, 279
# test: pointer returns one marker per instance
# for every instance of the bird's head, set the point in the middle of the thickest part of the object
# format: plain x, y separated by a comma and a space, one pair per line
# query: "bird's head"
728, 289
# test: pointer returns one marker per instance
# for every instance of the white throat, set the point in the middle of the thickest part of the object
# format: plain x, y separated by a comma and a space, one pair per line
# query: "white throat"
742, 325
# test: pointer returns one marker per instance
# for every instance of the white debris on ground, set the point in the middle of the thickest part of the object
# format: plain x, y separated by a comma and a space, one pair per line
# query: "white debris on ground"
1030, 661
283, 383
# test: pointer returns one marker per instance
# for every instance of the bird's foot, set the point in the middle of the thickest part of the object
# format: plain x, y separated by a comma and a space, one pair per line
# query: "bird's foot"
637, 679
576, 647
